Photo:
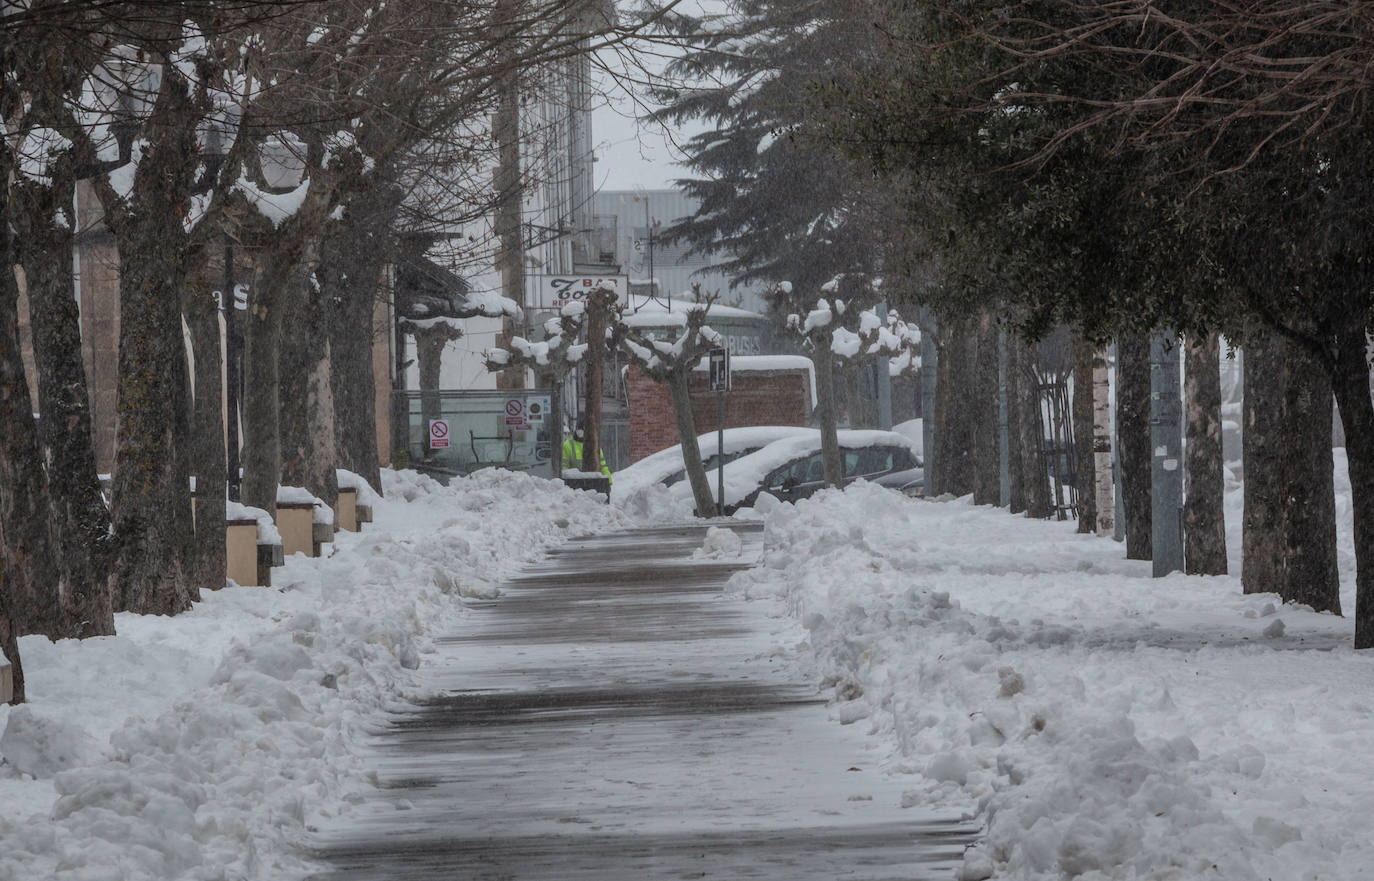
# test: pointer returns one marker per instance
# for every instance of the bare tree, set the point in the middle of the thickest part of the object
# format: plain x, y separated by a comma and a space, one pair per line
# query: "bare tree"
671, 362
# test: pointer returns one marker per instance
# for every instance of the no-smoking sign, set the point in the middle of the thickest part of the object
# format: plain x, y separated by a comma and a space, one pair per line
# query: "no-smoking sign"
438, 434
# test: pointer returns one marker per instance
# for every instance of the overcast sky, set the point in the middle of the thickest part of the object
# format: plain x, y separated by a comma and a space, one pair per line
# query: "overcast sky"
630, 154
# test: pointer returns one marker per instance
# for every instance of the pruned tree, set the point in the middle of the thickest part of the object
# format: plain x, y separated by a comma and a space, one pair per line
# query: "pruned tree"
670, 362
552, 360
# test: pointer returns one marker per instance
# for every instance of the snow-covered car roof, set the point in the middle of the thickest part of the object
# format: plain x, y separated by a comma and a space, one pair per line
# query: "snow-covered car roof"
657, 467
747, 473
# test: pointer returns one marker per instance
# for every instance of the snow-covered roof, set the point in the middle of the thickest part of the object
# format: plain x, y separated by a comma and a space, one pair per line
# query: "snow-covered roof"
763, 363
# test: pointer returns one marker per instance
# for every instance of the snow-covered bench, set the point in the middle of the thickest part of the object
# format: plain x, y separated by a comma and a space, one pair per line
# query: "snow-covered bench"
252, 545
304, 521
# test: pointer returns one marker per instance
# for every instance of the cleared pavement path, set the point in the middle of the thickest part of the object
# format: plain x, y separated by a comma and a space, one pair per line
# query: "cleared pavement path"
615, 716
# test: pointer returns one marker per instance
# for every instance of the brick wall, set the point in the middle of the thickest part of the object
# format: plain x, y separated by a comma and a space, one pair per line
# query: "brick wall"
762, 397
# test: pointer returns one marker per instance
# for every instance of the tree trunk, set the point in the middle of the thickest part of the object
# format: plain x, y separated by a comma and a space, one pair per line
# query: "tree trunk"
351, 272
261, 396
207, 448
80, 519
1017, 413
1262, 568
1133, 440
987, 466
824, 361
306, 399
598, 305
1103, 484
26, 562
151, 509
1084, 470
1351, 387
1204, 523
679, 391
1311, 572
955, 440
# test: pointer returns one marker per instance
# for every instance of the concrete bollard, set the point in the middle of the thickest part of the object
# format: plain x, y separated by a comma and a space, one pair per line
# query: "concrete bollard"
6, 682
295, 522
241, 551
346, 509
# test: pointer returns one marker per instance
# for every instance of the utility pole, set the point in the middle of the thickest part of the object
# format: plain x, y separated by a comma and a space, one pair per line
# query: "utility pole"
1166, 468
882, 381
930, 361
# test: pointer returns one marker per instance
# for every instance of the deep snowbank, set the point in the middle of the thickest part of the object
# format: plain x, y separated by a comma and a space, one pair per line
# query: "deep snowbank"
203, 746
1106, 724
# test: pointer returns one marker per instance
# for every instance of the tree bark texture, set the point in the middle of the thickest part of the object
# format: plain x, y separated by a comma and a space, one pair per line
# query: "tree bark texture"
599, 304
262, 338
1351, 386
955, 440
679, 391
1204, 519
1016, 415
80, 520
1312, 574
151, 509
207, 445
824, 360
987, 465
1133, 441
1262, 517
26, 562
1082, 407
1289, 521
351, 272
306, 398
1104, 487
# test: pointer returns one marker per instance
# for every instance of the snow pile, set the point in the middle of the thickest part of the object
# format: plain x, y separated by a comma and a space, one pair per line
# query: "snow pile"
1103, 724
204, 746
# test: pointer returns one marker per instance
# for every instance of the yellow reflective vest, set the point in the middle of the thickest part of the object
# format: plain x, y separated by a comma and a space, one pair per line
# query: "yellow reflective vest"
572, 456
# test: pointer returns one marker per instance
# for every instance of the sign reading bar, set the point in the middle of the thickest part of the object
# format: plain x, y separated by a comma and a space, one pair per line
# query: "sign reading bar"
557, 291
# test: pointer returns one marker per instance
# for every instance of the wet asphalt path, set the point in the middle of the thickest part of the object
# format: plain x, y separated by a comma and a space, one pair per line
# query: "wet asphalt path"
615, 716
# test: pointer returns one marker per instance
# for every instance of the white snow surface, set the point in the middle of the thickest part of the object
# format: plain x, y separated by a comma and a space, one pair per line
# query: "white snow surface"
1102, 723
202, 746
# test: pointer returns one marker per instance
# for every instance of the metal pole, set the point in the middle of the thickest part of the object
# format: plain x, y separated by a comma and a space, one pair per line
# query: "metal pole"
233, 365
720, 452
1166, 440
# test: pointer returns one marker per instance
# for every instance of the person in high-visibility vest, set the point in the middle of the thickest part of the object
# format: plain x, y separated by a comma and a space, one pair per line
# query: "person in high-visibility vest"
572, 450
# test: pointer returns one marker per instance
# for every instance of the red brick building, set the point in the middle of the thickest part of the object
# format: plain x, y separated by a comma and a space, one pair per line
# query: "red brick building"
765, 390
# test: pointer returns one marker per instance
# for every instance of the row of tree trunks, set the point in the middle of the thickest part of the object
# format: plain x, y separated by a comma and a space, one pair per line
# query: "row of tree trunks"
1204, 520
1030, 489
955, 409
77, 603
1351, 388
1289, 540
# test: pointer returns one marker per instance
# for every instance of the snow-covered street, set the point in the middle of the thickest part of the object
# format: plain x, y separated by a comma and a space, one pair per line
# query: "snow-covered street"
1095, 722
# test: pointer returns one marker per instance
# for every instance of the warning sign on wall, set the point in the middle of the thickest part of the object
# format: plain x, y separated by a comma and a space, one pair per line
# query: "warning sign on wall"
438, 434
